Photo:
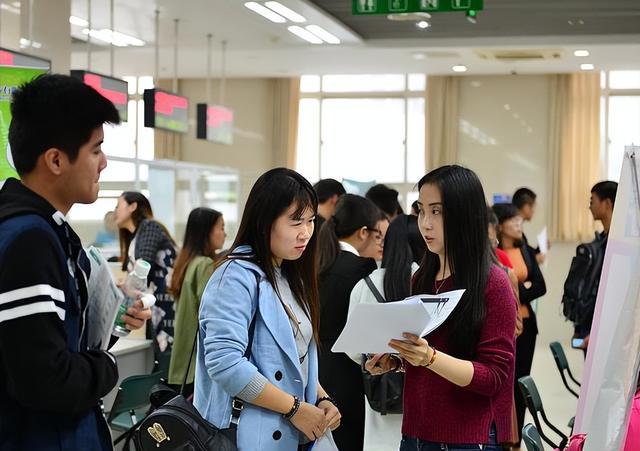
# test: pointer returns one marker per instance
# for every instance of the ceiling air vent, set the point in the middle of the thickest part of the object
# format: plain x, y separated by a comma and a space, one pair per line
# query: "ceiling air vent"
519, 55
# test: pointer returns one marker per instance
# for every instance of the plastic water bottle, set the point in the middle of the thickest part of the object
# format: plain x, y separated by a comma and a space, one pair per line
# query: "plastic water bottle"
136, 282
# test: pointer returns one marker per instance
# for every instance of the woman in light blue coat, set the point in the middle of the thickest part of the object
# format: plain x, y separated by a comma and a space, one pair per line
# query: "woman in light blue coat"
268, 278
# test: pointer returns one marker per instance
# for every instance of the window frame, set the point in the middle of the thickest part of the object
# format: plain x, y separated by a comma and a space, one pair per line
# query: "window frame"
606, 93
404, 95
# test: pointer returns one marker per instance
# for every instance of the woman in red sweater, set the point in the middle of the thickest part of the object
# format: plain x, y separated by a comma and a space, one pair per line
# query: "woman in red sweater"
459, 379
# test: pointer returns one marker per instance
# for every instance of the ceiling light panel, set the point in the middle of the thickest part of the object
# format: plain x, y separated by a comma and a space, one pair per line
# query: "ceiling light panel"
323, 34
265, 12
285, 12
305, 34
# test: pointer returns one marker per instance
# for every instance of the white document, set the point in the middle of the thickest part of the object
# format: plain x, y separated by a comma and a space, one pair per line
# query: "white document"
104, 301
370, 326
543, 241
325, 443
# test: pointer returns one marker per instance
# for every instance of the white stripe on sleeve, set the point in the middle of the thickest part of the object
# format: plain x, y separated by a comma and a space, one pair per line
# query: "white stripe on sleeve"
32, 309
31, 292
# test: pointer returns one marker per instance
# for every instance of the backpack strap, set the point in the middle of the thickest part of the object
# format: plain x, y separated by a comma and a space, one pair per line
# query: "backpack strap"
236, 403
374, 290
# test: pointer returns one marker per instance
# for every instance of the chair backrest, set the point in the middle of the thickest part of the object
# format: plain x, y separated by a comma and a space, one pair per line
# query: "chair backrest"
133, 393
532, 438
534, 404
563, 366
559, 356
529, 389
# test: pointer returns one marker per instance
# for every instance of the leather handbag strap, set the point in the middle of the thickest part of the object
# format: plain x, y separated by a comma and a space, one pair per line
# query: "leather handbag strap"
374, 290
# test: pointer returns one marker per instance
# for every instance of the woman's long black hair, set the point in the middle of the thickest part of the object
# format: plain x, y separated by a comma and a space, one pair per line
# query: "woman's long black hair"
352, 213
403, 245
201, 222
143, 211
466, 247
504, 212
271, 196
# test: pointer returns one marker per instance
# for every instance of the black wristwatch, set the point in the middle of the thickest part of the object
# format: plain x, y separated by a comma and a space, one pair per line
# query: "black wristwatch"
326, 398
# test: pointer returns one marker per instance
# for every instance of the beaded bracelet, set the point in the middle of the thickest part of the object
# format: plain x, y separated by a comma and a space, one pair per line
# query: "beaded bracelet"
294, 409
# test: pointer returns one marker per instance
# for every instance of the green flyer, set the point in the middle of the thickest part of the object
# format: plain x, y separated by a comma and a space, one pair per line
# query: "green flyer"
11, 77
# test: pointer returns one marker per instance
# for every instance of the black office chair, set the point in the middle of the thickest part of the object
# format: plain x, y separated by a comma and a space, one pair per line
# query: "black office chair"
534, 404
531, 438
563, 366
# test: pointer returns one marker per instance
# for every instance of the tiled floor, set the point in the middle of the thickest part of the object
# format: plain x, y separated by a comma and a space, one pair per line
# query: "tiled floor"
559, 404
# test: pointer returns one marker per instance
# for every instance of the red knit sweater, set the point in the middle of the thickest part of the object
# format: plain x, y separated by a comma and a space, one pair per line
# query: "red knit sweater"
437, 410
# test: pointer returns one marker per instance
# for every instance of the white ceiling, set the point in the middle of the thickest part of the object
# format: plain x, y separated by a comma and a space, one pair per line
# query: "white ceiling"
257, 47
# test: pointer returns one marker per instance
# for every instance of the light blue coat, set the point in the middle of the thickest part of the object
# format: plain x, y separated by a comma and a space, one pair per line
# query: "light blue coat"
227, 307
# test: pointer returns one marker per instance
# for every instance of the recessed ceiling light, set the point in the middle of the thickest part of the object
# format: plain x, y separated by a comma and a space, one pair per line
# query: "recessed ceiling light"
286, 12
581, 53
408, 17
423, 24
265, 12
305, 34
459, 68
418, 56
507, 107
587, 66
323, 34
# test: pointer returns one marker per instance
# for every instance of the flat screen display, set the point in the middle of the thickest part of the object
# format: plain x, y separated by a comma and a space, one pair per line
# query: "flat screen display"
166, 110
215, 123
17, 59
114, 89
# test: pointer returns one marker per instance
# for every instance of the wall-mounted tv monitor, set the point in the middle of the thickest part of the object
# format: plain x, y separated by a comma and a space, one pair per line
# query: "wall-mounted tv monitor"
215, 123
114, 89
17, 59
165, 110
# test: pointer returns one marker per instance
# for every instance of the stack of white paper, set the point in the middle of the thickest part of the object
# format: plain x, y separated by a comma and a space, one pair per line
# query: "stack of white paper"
104, 301
370, 327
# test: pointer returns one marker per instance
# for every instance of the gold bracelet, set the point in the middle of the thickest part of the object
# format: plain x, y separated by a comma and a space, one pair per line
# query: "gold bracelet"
433, 358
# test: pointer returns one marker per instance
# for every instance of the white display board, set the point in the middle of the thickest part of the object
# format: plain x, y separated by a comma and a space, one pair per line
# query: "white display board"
613, 358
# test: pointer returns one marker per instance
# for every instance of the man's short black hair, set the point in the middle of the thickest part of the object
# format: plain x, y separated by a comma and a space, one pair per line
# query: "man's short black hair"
327, 188
522, 197
606, 190
58, 111
385, 198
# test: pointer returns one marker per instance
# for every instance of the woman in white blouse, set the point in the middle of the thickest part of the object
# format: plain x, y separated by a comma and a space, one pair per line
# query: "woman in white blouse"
404, 247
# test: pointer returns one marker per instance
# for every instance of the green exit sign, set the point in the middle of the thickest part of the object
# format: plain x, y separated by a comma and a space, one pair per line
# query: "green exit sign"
365, 7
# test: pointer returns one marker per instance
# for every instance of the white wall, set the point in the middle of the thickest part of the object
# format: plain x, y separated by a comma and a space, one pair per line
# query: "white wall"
505, 140
252, 150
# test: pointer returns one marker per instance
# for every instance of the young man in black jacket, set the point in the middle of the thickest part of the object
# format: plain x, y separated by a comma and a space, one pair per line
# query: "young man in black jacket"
50, 383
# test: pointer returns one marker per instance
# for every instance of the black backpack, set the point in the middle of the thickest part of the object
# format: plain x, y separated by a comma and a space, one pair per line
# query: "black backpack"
384, 391
177, 426
581, 285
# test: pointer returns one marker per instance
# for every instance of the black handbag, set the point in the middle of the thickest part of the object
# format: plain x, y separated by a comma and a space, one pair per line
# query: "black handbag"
178, 426
384, 391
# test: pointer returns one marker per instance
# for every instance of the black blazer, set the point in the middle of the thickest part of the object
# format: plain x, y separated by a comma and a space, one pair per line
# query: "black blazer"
335, 285
338, 374
538, 286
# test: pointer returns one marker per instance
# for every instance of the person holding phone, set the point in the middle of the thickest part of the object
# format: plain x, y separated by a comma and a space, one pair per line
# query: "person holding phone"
462, 373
